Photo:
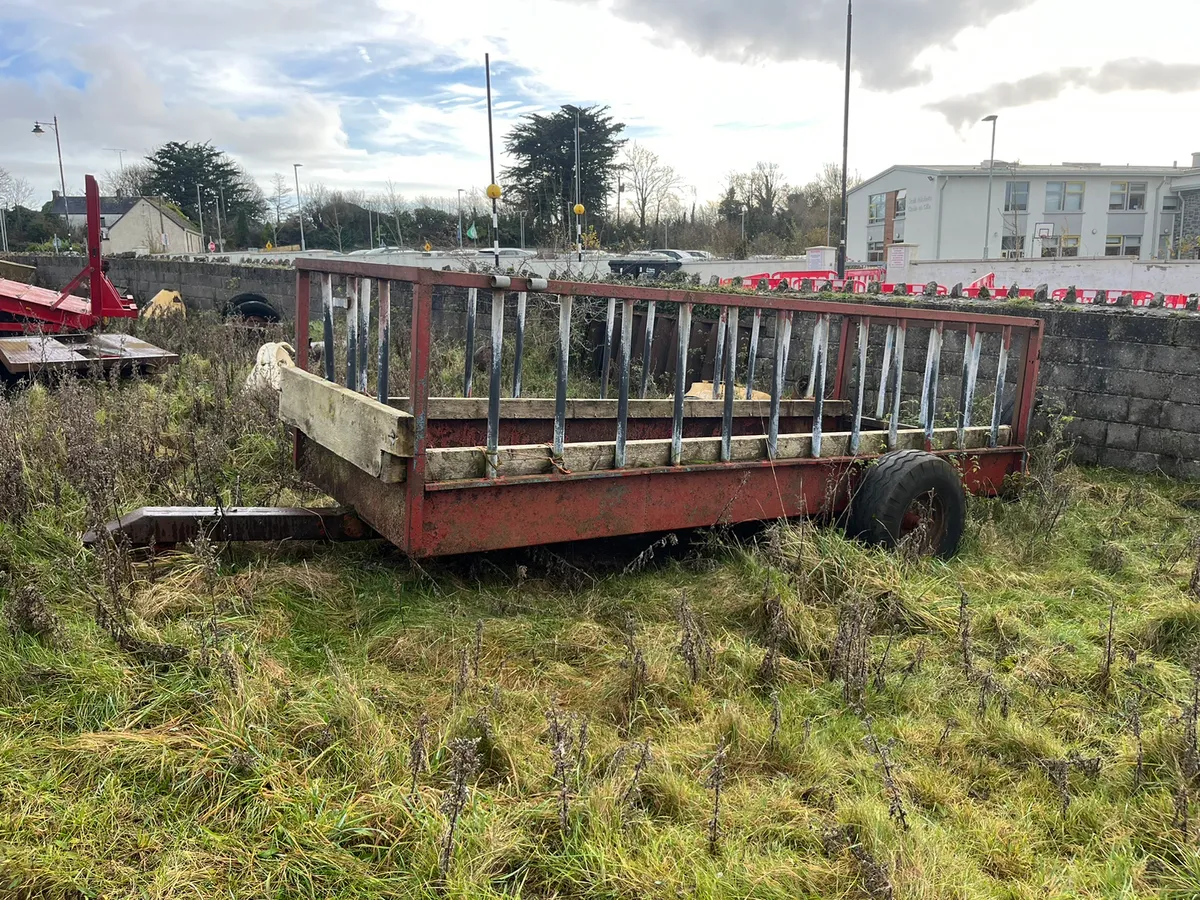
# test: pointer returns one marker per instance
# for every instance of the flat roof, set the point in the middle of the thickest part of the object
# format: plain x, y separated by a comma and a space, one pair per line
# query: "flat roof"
1005, 168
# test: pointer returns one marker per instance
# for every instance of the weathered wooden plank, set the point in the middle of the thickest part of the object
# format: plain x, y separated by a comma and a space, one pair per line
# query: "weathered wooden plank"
374, 437
457, 463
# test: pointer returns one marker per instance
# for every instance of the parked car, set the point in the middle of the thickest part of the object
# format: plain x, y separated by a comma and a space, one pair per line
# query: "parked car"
681, 255
701, 254
507, 253
655, 265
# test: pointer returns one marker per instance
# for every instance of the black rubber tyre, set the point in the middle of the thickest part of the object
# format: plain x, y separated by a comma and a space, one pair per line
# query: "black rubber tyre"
251, 309
910, 498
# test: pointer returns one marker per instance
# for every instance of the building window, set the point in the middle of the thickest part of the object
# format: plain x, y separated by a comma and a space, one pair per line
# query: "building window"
1064, 245
1012, 246
901, 200
875, 251
1064, 196
1127, 195
1123, 245
875, 208
1016, 196
1170, 203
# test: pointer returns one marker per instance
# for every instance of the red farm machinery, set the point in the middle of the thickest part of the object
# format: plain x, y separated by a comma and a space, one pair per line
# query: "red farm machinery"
44, 330
879, 415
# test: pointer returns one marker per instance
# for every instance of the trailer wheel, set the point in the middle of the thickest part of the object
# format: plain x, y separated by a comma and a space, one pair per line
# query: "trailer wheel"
913, 500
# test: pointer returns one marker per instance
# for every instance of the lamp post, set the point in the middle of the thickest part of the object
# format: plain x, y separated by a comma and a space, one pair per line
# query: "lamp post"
743, 225
578, 202
62, 179
987, 219
200, 213
299, 203
841, 258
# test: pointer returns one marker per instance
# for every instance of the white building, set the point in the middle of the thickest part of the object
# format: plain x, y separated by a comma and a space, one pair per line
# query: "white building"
1073, 209
129, 224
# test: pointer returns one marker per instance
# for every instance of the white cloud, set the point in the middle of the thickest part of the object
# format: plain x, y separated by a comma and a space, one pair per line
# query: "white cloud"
364, 91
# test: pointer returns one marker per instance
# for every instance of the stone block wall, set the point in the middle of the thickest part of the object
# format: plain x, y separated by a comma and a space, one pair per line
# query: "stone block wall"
203, 285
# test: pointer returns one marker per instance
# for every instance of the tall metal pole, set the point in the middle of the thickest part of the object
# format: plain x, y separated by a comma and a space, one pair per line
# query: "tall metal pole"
460, 193
220, 231
200, 213
522, 229
578, 226
299, 204
62, 179
493, 191
987, 219
841, 267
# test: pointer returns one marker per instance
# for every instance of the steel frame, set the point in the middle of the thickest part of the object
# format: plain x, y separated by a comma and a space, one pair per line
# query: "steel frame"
426, 519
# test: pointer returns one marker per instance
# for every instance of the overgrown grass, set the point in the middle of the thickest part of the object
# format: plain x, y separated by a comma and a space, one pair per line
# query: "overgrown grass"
924, 729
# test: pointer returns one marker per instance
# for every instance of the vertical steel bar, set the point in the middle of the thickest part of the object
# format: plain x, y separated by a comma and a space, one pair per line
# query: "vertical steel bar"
646, 349
722, 327
469, 362
560, 391
352, 333
897, 382
327, 305
493, 426
970, 371
818, 327
934, 370
884, 371
787, 343
606, 357
864, 332
998, 397
821, 359
364, 332
520, 350
754, 329
922, 416
681, 365
782, 320
727, 396
418, 397
623, 388
385, 346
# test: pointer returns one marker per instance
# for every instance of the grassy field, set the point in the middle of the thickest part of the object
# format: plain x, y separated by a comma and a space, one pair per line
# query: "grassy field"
792, 715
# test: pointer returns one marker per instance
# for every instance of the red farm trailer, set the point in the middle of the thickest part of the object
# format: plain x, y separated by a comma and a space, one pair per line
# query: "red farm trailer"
58, 330
448, 475
879, 429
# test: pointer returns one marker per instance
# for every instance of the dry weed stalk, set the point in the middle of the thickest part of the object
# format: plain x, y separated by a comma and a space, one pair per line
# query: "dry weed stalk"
563, 737
639, 769
850, 659
776, 627
776, 722
1106, 665
477, 649
463, 679
716, 783
464, 762
638, 671
1058, 770
964, 631
643, 559
27, 612
887, 770
693, 645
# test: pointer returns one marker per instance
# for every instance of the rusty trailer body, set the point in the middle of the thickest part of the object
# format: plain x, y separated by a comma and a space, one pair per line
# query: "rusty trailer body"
448, 475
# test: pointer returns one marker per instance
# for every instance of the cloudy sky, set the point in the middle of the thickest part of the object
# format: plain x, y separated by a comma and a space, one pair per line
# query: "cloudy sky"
363, 91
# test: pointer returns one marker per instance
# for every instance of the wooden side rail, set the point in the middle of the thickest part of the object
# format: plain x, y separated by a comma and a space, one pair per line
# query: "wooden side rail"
373, 436
461, 463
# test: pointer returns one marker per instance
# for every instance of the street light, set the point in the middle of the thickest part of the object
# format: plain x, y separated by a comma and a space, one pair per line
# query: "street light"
578, 208
299, 203
62, 180
841, 259
987, 227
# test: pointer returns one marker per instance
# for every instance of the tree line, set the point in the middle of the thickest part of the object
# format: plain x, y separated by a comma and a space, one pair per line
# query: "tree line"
632, 199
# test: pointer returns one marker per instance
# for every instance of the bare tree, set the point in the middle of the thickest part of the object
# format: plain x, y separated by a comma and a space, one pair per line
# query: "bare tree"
392, 203
826, 188
14, 191
132, 180
650, 181
768, 187
280, 200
